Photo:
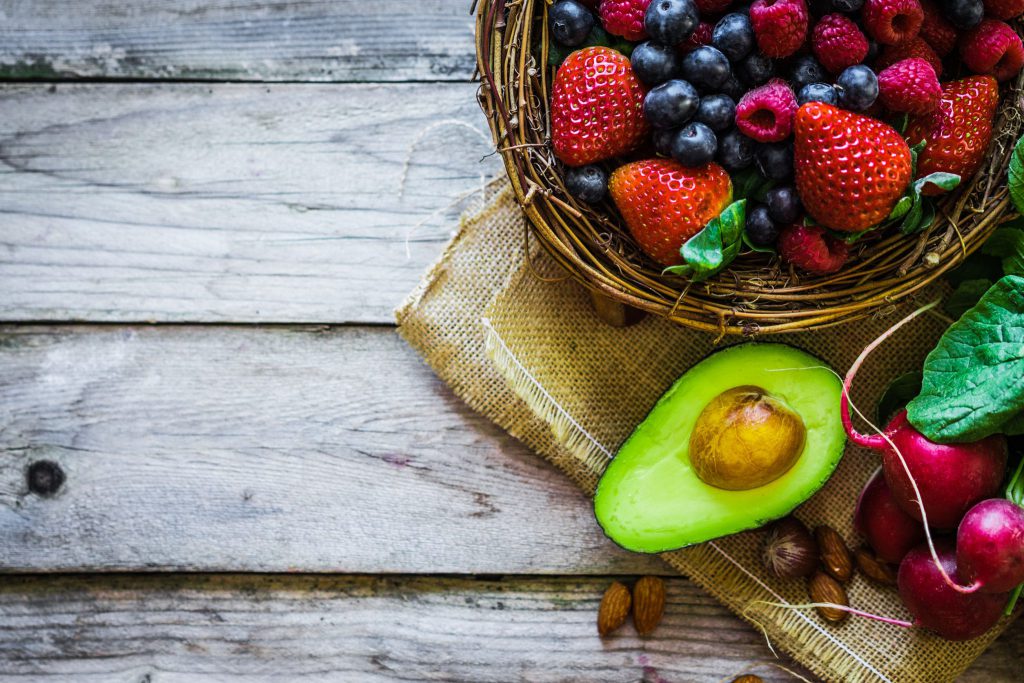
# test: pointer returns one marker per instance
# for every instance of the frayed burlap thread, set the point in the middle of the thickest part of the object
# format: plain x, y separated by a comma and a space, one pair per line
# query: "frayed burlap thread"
521, 345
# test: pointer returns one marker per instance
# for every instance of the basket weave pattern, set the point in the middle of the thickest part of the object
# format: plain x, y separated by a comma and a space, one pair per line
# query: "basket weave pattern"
756, 294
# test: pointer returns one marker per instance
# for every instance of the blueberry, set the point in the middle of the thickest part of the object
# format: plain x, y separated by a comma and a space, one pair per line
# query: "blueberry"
756, 69
705, 67
671, 104
735, 151
761, 229
734, 36
806, 69
694, 145
662, 139
587, 183
783, 204
847, 6
717, 112
775, 160
733, 88
653, 63
670, 22
858, 87
570, 22
817, 92
964, 14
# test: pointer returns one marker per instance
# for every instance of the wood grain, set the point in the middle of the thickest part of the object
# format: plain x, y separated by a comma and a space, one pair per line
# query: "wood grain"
288, 203
286, 628
269, 449
237, 40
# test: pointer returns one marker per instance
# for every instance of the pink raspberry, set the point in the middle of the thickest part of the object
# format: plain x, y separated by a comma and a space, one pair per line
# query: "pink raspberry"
624, 18
1004, 9
700, 36
936, 29
780, 26
891, 22
909, 86
993, 48
915, 47
838, 43
810, 248
766, 113
712, 7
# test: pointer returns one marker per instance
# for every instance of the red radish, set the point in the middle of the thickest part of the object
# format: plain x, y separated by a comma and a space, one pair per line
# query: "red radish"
950, 477
889, 530
955, 476
990, 546
935, 606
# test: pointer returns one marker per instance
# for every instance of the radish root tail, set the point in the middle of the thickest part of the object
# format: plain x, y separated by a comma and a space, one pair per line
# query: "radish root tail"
842, 608
882, 441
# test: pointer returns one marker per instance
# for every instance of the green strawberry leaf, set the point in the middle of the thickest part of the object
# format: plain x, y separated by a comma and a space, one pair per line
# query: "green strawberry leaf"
901, 208
1016, 176
965, 296
851, 237
749, 184
921, 212
713, 248
944, 181
597, 36
915, 152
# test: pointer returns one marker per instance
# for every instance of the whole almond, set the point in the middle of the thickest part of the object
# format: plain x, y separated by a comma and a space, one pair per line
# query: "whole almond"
648, 604
875, 569
835, 556
614, 608
823, 588
748, 678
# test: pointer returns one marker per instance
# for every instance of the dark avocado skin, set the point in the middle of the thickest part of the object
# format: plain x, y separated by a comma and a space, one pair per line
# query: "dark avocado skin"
649, 499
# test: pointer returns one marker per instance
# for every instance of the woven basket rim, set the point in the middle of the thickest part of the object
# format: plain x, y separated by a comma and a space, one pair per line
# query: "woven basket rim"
751, 297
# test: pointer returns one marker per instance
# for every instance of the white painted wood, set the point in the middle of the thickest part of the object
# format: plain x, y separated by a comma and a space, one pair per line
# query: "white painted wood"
269, 449
225, 40
257, 203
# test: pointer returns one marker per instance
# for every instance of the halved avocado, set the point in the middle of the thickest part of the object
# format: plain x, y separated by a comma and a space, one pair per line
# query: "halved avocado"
651, 498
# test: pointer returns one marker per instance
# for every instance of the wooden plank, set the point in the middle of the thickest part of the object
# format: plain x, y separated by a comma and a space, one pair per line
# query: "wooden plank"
298, 628
285, 203
238, 40
269, 449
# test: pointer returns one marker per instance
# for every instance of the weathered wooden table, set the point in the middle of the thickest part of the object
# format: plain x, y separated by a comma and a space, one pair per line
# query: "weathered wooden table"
208, 210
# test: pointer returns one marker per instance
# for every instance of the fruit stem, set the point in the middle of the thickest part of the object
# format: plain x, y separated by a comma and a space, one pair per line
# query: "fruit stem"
888, 444
878, 441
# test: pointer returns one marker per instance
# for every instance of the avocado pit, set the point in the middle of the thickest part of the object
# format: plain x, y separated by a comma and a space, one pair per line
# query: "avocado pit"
745, 438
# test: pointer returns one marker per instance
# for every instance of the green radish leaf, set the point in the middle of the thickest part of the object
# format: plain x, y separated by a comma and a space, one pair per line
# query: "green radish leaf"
1015, 176
966, 295
896, 396
714, 247
1014, 426
977, 266
1007, 243
974, 378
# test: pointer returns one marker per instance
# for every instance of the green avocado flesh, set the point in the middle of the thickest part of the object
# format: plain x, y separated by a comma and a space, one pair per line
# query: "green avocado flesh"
650, 499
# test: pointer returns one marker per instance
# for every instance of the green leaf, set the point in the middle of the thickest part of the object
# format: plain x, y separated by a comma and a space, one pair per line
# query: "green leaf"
922, 209
714, 247
967, 294
1007, 243
944, 181
896, 395
977, 266
1014, 426
901, 208
597, 36
974, 378
757, 247
1015, 176
750, 184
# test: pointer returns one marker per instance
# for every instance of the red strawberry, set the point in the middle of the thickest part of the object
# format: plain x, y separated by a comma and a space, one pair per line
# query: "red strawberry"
597, 107
850, 169
665, 203
624, 18
936, 29
958, 132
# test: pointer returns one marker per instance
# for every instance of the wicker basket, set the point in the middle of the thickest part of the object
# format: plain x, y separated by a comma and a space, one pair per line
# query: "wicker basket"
756, 295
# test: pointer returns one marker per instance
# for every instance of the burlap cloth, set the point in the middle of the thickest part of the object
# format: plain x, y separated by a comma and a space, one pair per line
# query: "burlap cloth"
519, 343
